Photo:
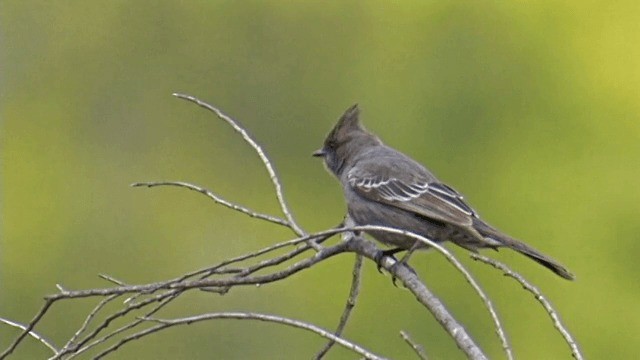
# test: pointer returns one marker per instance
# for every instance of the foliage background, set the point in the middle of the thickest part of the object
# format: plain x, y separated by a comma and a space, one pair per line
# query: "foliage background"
531, 109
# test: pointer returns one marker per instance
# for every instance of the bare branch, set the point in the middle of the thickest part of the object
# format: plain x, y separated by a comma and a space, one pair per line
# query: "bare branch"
124, 328
485, 299
216, 198
351, 303
220, 268
111, 279
33, 334
265, 160
411, 281
357, 244
165, 323
105, 323
241, 271
27, 330
557, 323
417, 348
192, 284
318, 238
87, 321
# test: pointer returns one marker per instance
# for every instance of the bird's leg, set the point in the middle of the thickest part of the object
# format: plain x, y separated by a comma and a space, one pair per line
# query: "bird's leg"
382, 253
405, 258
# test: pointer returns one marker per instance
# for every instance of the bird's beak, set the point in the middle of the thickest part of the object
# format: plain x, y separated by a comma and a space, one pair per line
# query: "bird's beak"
319, 153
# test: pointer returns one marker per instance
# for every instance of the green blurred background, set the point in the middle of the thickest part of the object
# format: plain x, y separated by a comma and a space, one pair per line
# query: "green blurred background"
531, 109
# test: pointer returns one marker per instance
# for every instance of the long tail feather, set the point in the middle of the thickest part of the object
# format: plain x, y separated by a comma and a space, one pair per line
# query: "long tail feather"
523, 248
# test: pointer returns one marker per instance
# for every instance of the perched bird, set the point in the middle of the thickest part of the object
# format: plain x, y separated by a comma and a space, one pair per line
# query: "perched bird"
385, 187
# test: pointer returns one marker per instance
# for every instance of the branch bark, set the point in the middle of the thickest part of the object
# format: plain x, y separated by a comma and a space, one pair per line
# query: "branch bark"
304, 252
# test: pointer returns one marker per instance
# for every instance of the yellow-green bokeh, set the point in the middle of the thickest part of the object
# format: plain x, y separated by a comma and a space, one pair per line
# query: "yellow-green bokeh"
531, 109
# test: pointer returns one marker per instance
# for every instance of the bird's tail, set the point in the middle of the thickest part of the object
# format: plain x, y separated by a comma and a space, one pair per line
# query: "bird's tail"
488, 231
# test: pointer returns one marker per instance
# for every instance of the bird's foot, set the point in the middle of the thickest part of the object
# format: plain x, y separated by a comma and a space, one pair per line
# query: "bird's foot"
382, 253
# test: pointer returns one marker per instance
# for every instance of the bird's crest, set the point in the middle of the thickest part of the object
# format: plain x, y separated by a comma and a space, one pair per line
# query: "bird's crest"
350, 118
348, 122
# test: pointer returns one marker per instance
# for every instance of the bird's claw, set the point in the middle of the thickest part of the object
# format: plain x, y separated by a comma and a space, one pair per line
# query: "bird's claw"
390, 253
382, 253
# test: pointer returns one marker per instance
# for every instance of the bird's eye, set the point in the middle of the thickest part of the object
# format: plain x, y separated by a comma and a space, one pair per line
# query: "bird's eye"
332, 144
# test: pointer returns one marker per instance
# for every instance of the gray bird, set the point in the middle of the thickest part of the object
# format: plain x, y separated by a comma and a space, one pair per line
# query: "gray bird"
385, 187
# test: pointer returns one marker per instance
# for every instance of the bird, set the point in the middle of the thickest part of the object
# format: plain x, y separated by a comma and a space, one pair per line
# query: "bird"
385, 187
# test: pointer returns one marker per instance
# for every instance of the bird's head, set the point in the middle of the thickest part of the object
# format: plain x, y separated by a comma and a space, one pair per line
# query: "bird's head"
346, 140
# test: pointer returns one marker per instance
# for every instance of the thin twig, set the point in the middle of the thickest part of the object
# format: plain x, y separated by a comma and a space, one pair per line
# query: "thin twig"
165, 323
456, 331
401, 272
33, 334
87, 321
216, 269
223, 276
106, 322
185, 285
27, 330
162, 303
217, 199
417, 348
557, 323
265, 160
111, 279
351, 303
261, 265
182, 283
303, 264
318, 238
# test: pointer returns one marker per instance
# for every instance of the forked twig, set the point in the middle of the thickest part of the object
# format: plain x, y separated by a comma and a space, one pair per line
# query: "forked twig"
31, 333
458, 265
87, 321
557, 323
252, 269
265, 160
217, 199
122, 329
411, 281
165, 323
27, 329
417, 348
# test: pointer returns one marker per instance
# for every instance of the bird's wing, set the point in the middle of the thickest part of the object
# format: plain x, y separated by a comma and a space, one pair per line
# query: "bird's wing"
430, 199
